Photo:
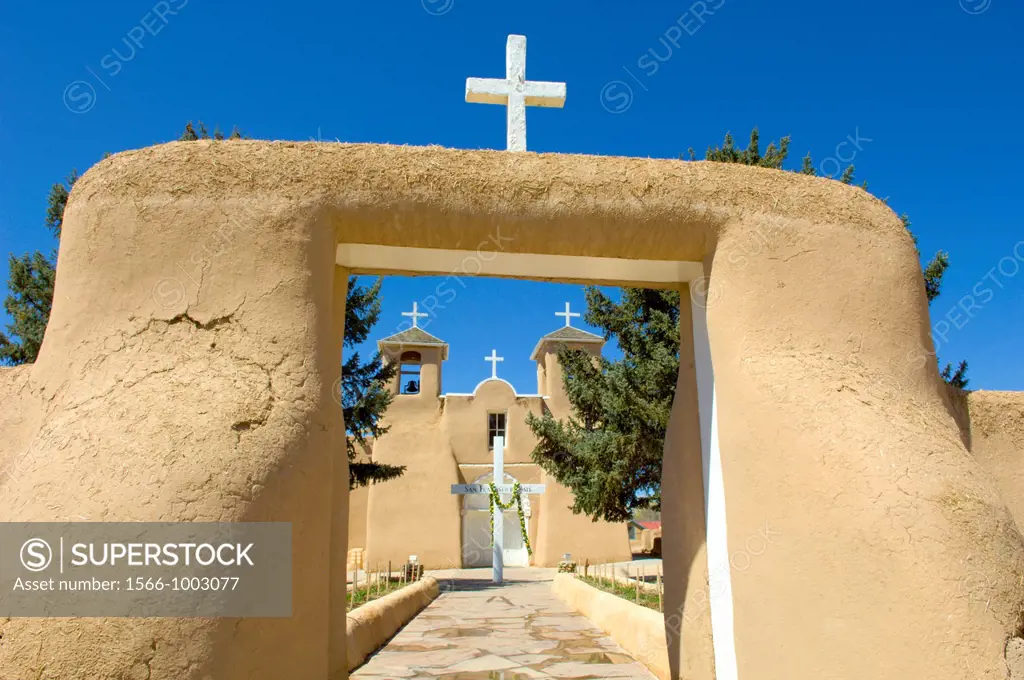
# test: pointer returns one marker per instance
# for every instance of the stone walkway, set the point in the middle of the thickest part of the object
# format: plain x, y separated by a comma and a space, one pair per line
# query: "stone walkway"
478, 631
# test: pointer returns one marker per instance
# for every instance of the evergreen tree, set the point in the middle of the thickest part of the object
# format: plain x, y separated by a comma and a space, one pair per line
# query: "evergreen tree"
609, 451
363, 392
30, 283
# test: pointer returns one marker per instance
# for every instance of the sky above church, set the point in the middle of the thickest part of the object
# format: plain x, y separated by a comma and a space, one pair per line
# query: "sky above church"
924, 98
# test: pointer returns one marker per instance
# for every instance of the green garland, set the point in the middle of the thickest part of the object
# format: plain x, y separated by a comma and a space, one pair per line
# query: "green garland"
518, 500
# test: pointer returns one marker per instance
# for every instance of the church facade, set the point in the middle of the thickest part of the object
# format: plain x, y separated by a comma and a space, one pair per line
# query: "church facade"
446, 439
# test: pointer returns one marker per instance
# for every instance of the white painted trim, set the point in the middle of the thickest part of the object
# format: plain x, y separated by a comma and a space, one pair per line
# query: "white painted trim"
492, 465
473, 394
493, 379
487, 380
720, 575
373, 259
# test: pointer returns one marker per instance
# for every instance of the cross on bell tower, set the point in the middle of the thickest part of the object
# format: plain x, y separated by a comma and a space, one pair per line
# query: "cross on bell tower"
568, 315
415, 314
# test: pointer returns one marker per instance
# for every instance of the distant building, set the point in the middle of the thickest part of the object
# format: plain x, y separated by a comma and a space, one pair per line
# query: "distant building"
644, 536
446, 439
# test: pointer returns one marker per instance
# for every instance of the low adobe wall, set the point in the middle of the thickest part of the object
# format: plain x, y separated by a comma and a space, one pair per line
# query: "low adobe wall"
638, 630
373, 624
995, 422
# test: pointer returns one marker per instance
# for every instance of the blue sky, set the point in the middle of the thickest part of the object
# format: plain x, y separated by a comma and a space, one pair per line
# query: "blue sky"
931, 90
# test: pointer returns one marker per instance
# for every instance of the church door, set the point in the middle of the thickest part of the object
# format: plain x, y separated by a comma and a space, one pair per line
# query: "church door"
476, 530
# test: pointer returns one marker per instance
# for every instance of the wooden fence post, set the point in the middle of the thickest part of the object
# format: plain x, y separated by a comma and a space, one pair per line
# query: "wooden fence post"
661, 605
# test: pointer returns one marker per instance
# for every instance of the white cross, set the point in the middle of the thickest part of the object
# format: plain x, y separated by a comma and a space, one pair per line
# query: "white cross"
515, 92
415, 314
494, 359
498, 517
568, 315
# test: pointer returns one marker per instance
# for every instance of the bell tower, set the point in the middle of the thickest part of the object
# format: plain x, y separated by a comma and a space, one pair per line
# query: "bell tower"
418, 355
549, 370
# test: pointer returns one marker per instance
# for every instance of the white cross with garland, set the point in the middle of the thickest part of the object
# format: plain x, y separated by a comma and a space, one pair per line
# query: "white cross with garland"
494, 489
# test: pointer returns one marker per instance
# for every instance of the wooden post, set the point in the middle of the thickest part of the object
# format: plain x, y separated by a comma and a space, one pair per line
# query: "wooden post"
661, 606
388, 585
638, 588
586, 568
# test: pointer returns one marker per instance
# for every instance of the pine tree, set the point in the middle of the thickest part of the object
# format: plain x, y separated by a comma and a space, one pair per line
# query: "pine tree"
609, 451
30, 282
363, 392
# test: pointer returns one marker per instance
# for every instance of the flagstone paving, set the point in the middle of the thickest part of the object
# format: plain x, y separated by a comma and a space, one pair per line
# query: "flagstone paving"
476, 630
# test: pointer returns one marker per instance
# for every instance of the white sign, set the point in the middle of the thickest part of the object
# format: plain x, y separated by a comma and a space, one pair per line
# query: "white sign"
502, 488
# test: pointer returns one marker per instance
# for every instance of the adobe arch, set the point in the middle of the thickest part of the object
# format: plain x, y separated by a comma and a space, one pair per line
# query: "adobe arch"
202, 285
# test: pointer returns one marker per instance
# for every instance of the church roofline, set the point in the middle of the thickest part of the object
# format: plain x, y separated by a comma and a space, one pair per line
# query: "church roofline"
595, 340
414, 337
487, 380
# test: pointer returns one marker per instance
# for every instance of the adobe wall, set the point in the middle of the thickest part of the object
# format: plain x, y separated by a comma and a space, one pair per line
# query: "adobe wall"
997, 442
415, 515
847, 483
20, 415
167, 398
465, 421
358, 499
196, 308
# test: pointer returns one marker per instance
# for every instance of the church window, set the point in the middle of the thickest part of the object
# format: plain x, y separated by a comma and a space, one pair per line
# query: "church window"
495, 428
409, 373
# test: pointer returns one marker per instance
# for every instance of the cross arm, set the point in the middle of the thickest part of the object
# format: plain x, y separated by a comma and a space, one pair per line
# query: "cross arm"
542, 93
486, 91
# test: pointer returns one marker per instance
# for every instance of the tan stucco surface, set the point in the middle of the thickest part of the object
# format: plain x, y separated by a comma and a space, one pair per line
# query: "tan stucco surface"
188, 367
357, 501
997, 442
